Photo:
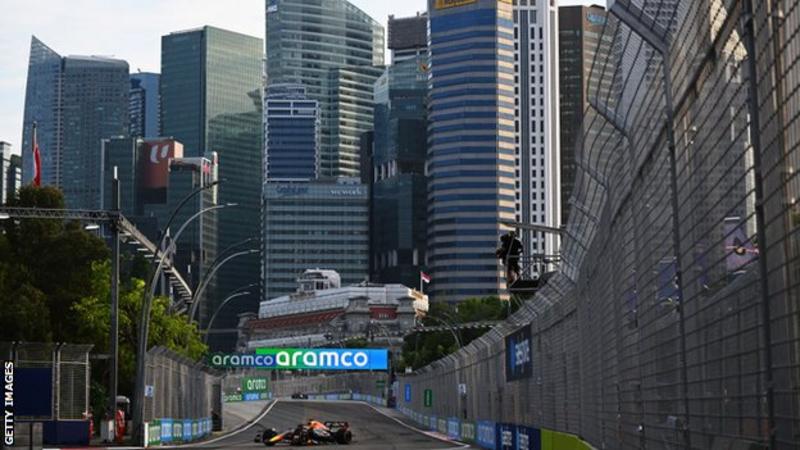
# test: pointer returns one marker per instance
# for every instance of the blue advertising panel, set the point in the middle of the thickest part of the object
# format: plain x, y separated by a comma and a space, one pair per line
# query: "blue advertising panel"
519, 354
506, 437
33, 392
187, 430
528, 438
407, 393
166, 430
453, 428
305, 359
485, 434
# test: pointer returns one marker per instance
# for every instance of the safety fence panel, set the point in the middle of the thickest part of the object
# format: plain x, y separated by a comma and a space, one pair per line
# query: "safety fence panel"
179, 393
673, 321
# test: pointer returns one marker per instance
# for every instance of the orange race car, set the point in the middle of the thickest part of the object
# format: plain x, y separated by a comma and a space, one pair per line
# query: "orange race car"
313, 432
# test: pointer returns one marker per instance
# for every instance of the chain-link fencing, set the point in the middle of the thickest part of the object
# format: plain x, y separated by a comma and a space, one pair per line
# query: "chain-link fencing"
179, 388
673, 321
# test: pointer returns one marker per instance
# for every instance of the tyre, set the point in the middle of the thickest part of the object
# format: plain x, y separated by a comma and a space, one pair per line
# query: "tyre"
344, 437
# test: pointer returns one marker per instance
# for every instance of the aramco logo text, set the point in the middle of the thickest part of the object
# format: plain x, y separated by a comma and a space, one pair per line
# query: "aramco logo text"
306, 358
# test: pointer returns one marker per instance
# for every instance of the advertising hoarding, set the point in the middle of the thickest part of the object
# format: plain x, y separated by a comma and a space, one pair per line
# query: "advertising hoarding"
519, 354
305, 359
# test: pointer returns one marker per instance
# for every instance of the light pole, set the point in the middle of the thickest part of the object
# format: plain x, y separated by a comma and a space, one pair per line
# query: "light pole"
144, 321
202, 287
449, 326
230, 297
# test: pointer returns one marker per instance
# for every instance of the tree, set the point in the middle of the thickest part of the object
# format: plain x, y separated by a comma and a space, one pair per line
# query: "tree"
421, 349
45, 267
167, 329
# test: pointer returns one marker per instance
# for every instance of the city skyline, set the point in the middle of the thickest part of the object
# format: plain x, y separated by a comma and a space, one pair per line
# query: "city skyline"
137, 40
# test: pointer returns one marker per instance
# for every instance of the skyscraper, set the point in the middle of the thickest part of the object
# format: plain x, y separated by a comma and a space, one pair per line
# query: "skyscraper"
308, 41
211, 96
537, 123
310, 224
471, 158
291, 135
399, 188
6, 186
145, 105
76, 102
408, 37
584, 49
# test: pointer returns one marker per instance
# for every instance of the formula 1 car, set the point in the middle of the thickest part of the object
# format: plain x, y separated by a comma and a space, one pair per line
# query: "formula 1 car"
312, 433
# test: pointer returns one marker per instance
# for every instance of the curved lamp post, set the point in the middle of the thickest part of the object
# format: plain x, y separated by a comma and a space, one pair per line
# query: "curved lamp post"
144, 321
449, 326
202, 287
231, 297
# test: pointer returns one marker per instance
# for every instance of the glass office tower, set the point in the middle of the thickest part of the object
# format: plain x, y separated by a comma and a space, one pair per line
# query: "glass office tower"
291, 133
399, 194
211, 96
471, 159
307, 42
76, 101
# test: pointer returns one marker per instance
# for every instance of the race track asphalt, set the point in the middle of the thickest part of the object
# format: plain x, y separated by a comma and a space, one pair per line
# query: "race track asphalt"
371, 429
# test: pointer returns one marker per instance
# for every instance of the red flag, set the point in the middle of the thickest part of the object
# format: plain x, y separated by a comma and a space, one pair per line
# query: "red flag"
37, 160
425, 277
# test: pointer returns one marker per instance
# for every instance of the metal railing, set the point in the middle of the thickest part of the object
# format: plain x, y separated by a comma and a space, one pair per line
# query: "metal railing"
673, 321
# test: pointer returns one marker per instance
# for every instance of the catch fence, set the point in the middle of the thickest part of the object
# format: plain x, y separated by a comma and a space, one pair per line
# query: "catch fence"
674, 319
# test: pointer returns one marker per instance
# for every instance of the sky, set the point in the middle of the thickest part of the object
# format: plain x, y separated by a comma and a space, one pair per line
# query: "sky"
129, 30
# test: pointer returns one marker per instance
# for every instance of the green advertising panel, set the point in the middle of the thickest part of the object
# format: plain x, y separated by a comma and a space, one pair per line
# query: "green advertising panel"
254, 384
428, 398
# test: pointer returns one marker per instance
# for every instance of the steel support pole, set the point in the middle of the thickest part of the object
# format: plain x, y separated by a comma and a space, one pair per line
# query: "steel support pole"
114, 330
749, 38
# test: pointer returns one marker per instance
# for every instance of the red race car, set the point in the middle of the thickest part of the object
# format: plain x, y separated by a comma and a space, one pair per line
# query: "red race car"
312, 433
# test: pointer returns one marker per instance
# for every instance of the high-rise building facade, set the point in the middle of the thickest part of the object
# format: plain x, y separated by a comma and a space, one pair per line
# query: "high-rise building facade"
407, 37
291, 133
398, 210
537, 123
8, 175
584, 48
76, 101
308, 41
211, 101
314, 224
13, 176
471, 155
154, 179
145, 105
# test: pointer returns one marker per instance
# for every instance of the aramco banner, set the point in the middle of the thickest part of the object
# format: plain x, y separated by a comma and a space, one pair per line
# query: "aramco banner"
305, 359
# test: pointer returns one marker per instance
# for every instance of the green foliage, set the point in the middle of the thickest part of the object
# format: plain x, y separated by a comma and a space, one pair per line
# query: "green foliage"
45, 267
421, 349
166, 329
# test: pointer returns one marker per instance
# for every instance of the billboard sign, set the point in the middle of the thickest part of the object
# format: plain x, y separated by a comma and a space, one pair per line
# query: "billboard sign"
254, 384
305, 359
519, 354
428, 398
153, 169
407, 393
444, 4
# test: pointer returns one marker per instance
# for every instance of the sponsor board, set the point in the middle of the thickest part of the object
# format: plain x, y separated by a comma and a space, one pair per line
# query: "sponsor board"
519, 354
528, 438
485, 434
407, 393
506, 437
428, 398
467, 431
444, 4
453, 428
254, 384
305, 359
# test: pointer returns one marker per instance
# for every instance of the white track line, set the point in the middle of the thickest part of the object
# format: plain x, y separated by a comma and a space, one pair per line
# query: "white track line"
231, 434
420, 431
